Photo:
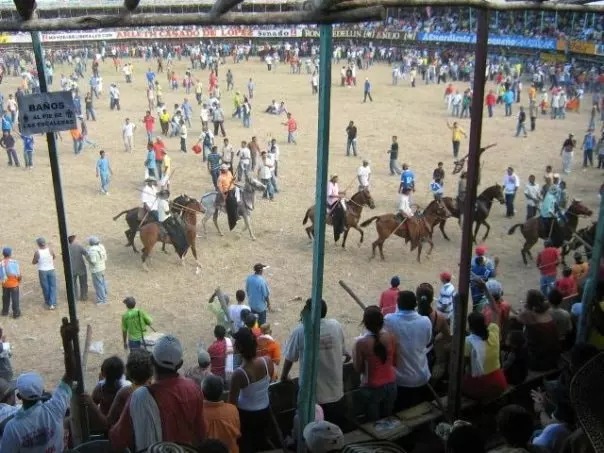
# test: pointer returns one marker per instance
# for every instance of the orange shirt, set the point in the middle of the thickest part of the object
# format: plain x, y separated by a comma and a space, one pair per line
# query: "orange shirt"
268, 347
292, 126
580, 271
222, 423
12, 281
75, 134
225, 182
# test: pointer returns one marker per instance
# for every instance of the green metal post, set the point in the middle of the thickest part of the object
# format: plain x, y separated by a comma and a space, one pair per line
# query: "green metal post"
592, 279
62, 220
308, 373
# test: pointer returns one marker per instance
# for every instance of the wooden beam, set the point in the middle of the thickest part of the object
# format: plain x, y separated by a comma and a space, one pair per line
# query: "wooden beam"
372, 13
221, 7
494, 5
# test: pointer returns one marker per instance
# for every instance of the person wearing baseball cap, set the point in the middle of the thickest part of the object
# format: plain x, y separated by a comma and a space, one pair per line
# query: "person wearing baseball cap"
389, 297
202, 370
169, 410
10, 276
323, 437
444, 303
491, 264
258, 293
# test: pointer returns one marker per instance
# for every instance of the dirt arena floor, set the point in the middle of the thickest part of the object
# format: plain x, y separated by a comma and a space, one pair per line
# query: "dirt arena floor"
175, 296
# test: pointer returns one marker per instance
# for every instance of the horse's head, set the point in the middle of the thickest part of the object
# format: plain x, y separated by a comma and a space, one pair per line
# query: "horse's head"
577, 208
184, 203
364, 198
494, 193
440, 209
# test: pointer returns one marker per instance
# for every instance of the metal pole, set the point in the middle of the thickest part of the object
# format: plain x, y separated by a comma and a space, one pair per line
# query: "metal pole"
591, 283
62, 219
497, 20
541, 20
556, 19
308, 373
457, 347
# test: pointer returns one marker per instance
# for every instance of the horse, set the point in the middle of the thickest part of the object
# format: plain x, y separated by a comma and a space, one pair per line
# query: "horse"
354, 208
415, 232
484, 201
150, 233
134, 217
533, 228
245, 206
584, 237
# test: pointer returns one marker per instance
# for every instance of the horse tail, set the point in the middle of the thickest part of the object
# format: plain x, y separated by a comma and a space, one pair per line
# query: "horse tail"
306, 216
121, 214
368, 221
513, 229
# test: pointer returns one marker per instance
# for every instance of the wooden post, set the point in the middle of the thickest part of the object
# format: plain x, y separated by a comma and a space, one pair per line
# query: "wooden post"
461, 300
87, 342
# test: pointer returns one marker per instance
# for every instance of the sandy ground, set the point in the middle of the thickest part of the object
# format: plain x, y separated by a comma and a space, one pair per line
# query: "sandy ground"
175, 296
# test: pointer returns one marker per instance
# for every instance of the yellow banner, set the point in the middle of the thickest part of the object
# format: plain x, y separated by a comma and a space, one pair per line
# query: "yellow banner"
584, 47
552, 57
4, 39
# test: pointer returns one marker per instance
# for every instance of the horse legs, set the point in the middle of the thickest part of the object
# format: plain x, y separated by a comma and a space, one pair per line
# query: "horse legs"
441, 225
215, 219
526, 250
345, 236
484, 238
204, 220
360, 230
248, 225
163, 247
310, 231
144, 257
381, 246
131, 235
373, 246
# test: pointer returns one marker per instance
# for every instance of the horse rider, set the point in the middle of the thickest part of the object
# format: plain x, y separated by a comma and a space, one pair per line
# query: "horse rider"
169, 225
149, 198
462, 185
548, 207
163, 210
334, 195
404, 210
225, 183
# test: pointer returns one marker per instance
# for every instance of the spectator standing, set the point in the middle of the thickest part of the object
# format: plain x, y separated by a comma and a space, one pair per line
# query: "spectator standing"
351, 142
249, 392
268, 346
236, 309
562, 318
10, 275
547, 263
373, 358
364, 175
97, 257
104, 172
292, 128
444, 303
221, 354
367, 90
28, 150
389, 297
77, 256
8, 143
532, 192
149, 122
183, 136
511, 182
413, 334
170, 409
202, 370
44, 260
393, 151
456, 134
218, 120
567, 153
221, 419
134, 325
580, 268
533, 114
521, 126
150, 165
588, 146
330, 387
128, 135
258, 293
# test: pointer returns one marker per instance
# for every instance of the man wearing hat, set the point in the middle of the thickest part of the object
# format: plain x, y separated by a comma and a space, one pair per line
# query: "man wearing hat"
77, 256
491, 265
10, 275
224, 183
202, 370
258, 293
44, 259
149, 198
169, 410
169, 225
8, 409
97, 257
567, 153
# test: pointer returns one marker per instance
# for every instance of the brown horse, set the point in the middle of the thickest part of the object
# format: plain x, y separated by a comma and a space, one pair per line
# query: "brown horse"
187, 209
354, 208
416, 231
484, 201
558, 232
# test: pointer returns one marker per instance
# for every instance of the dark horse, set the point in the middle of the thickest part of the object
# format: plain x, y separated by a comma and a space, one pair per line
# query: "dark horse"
558, 233
583, 237
134, 217
416, 230
354, 208
186, 208
484, 201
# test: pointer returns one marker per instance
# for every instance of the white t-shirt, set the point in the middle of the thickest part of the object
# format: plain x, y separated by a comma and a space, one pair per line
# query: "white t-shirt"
149, 197
235, 315
38, 429
128, 130
163, 209
266, 167
45, 260
245, 155
330, 387
363, 174
183, 131
404, 205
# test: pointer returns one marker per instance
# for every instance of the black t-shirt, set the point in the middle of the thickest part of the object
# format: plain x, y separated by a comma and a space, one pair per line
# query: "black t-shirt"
352, 132
394, 151
522, 117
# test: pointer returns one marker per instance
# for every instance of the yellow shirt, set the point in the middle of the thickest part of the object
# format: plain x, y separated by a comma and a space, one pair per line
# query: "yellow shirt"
457, 133
167, 164
164, 117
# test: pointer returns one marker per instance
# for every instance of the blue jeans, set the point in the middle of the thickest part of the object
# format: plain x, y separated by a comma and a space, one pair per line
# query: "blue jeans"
48, 282
270, 190
90, 113
394, 168
520, 128
508, 109
261, 316
77, 146
100, 287
291, 137
546, 283
509, 204
379, 401
246, 120
104, 182
351, 143
28, 155
215, 174
135, 344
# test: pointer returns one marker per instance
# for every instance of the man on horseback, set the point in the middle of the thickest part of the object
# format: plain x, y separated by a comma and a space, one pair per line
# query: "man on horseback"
170, 227
226, 197
461, 193
336, 206
149, 198
549, 207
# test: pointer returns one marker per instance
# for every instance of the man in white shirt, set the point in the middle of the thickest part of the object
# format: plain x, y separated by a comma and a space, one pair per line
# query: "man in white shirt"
128, 135
532, 192
273, 151
245, 159
114, 97
511, 182
265, 173
149, 198
413, 334
364, 175
228, 153
331, 355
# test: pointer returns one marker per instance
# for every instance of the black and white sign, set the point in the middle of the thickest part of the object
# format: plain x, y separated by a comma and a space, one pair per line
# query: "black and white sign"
47, 112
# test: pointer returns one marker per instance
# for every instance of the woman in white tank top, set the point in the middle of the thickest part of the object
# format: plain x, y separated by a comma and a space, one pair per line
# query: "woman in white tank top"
44, 260
249, 392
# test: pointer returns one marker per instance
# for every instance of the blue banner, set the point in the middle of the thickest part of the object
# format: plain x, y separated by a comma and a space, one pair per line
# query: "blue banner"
494, 40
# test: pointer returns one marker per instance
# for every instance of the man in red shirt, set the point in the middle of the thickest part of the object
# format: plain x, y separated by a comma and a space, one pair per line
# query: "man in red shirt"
159, 148
389, 298
149, 122
169, 410
292, 127
547, 263
490, 101
567, 285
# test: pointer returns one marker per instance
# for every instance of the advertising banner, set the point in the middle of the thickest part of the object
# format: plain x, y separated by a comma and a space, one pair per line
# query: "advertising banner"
495, 40
276, 33
360, 34
583, 47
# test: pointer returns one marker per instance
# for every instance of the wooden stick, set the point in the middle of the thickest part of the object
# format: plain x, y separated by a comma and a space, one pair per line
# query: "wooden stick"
87, 342
94, 22
351, 293
582, 241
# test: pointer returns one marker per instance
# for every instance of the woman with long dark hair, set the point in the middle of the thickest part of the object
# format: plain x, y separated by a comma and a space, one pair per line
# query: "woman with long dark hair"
441, 334
373, 357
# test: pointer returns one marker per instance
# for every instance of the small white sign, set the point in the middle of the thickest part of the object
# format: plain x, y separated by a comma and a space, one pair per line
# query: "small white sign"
47, 112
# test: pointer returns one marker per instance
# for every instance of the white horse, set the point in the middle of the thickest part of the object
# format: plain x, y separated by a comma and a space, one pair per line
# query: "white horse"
245, 204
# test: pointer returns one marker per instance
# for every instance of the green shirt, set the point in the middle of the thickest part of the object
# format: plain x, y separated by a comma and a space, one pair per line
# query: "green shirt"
221, 318
135, 322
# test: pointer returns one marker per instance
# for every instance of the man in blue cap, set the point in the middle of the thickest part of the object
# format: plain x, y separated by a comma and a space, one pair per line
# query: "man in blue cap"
10, 275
